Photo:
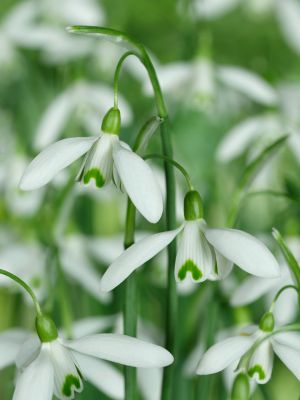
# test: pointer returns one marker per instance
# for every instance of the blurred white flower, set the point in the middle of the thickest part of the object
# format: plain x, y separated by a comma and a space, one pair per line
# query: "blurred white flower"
210, 84
87, 102
260, 130
285, 345
211, 9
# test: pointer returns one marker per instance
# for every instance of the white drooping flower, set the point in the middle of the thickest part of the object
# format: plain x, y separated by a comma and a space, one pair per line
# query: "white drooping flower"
203, 253
84, 101
262, 343
107, 159
53, 366
212, 9
253, 288
208, 83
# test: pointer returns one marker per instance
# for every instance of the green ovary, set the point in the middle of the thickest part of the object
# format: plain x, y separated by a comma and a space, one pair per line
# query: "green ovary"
257, 369
190, 266
70, 382
95, 174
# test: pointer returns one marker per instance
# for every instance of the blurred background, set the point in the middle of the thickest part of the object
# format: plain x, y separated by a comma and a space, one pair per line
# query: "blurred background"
230, 72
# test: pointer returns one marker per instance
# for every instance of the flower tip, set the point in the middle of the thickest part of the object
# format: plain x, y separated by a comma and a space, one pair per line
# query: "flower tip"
71, 29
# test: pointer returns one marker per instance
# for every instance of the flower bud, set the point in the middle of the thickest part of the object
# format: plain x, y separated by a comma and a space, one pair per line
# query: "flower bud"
46, 328
112, 121
193, 206
241, 387
267, 322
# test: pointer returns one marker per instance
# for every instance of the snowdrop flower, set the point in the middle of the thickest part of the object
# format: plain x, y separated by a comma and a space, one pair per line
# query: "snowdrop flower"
260, 130
107, 159
253, 288
263, 345
209, 83
203, 253
53, 366
82, 99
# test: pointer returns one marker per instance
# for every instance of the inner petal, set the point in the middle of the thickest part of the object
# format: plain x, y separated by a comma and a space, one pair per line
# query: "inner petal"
98, 164
67, 379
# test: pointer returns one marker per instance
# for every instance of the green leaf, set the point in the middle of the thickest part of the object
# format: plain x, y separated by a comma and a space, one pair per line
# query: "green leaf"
288, 255
109, 34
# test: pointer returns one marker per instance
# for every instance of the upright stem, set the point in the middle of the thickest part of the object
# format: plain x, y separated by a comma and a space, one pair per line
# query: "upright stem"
130, 302
172, 302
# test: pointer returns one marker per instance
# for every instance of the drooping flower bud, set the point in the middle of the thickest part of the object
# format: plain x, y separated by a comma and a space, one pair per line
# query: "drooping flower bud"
111, 122
241, 387
46, 328
193, 206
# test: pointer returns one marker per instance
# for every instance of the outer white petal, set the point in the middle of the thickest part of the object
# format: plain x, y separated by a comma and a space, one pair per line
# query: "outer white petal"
237, 140
290, 339
135, 256
90, 325
10, 344
251, 289
150, 382
288, 12
248, 83
224, 266
102, 375
286, 307
37, 380
261, 363
244, 250
139, 183
222, 354
56, 157
78, 266
288, 355
123, 349
54, 119
28, 352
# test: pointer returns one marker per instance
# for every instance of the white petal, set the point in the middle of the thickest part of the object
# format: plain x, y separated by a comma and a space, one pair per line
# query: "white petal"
54, 120
56, 157
28, 352
194, 258
222, 354
224, 266
88, 326
36, 382
286, 307
288, 355
290, 339
102, 375
248, 83
251, 289
139, 183
288, 12
135, 256
237, 140
77, 265
10, 344
123, 349
244, 250
261, 363
67, 380
150, 382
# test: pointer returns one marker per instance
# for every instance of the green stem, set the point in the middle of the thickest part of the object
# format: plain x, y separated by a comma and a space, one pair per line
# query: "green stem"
172, 301
24, 286
117, 75
130, 302
176, 164
278, 294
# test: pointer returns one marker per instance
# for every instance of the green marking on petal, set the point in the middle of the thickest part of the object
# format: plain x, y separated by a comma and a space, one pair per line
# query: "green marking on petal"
70, 382
190, 266
95, 174
257, 369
